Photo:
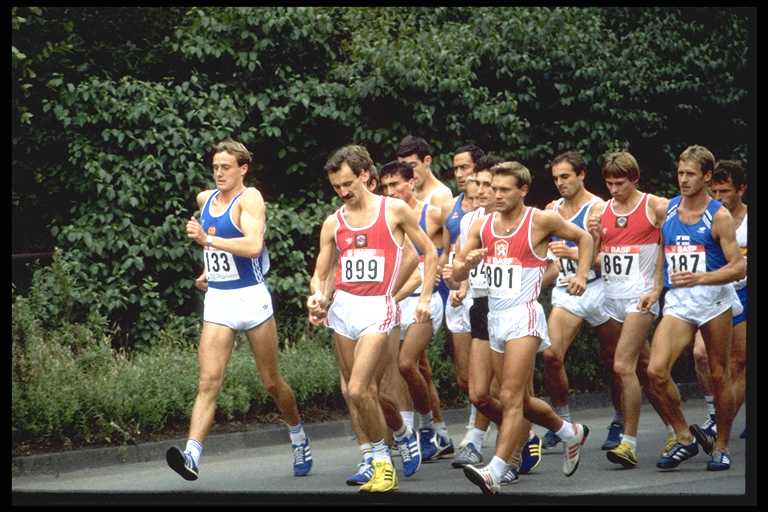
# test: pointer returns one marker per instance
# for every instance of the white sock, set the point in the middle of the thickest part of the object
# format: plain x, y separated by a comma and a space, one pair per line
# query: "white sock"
710, 404
297, 433
630, 440
381, 451
441, 429
407, 418
498, 467
195, 449
564, 412
402, 432
670, 429
472, 417
567, 432
426, 421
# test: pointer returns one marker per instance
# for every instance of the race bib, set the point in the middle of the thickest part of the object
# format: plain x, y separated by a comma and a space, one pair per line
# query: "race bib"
503, 279
568, 270
362, 266
686, 258
220, 266
477, 277
621, 264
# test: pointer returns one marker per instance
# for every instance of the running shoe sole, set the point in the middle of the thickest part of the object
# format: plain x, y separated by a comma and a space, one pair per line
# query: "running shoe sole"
706, 441
616, 459
176, 461
476, 478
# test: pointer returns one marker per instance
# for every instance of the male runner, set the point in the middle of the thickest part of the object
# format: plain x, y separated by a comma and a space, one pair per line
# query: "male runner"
367, 233
512, 242
702, 259
231, 233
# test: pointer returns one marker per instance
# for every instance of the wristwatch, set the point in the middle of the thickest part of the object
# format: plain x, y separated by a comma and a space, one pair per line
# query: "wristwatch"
208, 240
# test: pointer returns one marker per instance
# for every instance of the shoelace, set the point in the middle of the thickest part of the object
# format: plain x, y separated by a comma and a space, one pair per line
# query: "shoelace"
298, 455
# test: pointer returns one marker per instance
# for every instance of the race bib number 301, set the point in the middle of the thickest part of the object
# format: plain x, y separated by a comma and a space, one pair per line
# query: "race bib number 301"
504, 280
686, 258
362, 266
621, 263
220, 266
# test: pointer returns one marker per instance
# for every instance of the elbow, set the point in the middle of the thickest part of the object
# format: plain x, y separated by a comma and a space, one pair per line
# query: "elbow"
255, 251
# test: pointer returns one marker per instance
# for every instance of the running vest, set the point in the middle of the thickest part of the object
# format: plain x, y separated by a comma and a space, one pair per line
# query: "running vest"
423, 226
478, 285
741, 240
567, 265
628, 251
226, 271
690, 247
369, 257
453, 225
513, 271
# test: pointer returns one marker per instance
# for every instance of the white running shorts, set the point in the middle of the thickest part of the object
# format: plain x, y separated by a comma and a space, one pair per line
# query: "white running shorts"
240, 309
698, 305
408, 310
354, 316
517, 322
457, 318
588, 306
619, 308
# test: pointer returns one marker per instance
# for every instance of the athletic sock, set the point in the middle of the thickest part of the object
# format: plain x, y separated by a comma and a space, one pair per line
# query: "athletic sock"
367, 450
407, 418
497, 467
297, 434
401, 433
710, 404
472, 417
441, 429
630, 440
476, 437
670, 429
564, 412
381, 451
426, 420
567, 432
194, 449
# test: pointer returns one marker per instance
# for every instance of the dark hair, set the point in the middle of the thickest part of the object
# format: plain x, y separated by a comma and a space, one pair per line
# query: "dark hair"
475, 152
357, 158
413, 145
397, 167
486, 162
572, 157
725, 169
621, 164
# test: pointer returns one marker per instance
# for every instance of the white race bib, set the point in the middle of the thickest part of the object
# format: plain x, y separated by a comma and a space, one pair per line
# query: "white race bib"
362, 266
504, 279
477, 277
686, 258
621, 264
568, 270
220, 266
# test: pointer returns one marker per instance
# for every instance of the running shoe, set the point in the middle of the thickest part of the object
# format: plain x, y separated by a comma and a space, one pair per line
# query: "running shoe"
428, 444
679, 453
182, 463
706, 441
710, 425
483, 478
384, 478
510, 477
720, 461
615, 429
467, 455
572, 448
670, 442
623, 454
445, 448
364, 473
550, 440
531, 455
410, 453
302, 458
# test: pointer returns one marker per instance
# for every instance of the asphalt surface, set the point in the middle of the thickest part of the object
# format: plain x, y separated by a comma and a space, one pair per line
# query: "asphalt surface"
255, 467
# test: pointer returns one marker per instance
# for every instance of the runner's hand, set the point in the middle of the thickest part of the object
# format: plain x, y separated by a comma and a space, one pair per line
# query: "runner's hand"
576, 285
456, 297
201, 283
195, 231
647, 300
475, 256
423, 311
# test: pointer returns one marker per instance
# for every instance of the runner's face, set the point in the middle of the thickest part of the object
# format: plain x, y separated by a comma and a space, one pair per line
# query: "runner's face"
226, 173
484, 193
620, 188
346, 185
394, 185
566, 180
691, 178
507, 196
726, 193
420, 168
463, 167
470, 193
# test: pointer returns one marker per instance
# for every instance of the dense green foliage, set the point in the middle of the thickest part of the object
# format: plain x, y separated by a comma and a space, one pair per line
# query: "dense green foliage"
115, 109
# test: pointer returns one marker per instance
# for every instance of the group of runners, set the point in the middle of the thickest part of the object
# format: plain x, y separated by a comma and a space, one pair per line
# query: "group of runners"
403, 257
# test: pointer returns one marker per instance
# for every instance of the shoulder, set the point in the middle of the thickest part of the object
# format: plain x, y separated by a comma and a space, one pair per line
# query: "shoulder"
330, 222
657, 202
544, 216
551, 205
433, 211
251, 197
203, 196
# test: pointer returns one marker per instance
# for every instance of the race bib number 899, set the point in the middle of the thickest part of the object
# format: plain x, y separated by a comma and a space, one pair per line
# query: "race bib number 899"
360, 268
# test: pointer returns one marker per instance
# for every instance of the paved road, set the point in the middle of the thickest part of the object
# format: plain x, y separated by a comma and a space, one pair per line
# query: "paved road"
265, 473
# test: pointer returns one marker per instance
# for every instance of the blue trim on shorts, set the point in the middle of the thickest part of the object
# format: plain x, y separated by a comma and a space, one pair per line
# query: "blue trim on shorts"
742, 293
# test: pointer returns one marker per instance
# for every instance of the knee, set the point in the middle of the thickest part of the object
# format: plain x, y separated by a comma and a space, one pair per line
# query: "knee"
408, 369
210, 383
480, 397
657, 377
552, 360
624, 369
462, 383
700, 354
272, 385
357, 393
510, 400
